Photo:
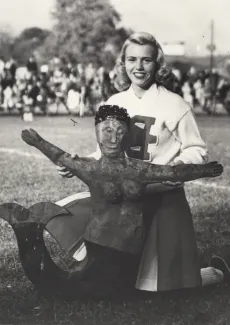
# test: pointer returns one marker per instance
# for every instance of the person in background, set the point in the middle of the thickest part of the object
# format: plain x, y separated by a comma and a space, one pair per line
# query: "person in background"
32, 66
187, 93
11, 67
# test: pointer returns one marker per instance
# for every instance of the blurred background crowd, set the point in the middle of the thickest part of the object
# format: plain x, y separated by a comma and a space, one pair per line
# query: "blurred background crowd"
70, 67
54, 87
63, 86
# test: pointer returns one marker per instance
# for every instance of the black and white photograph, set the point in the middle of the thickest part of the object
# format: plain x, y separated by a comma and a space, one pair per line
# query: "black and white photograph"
114, 162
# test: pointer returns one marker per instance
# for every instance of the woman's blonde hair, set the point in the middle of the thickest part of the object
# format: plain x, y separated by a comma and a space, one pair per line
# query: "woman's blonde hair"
163, 75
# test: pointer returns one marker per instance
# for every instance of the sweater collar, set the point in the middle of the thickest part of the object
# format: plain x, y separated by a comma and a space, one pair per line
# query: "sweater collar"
153, 90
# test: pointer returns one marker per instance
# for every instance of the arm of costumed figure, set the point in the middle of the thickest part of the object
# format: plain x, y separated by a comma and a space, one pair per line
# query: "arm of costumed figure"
59, 157
150, 173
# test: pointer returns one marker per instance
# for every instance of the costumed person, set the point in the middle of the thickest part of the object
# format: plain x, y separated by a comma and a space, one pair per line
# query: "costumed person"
163, 131
115, 232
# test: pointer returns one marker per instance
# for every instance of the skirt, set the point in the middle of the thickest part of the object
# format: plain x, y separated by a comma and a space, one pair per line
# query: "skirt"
170, 258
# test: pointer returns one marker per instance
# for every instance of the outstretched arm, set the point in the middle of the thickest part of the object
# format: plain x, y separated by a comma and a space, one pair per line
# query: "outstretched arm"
64, 172
55, 154
150, 173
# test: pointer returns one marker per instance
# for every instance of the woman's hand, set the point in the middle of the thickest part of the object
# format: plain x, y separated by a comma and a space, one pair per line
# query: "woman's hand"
63, 171
163, 186
31, 137
153, 188
174, 184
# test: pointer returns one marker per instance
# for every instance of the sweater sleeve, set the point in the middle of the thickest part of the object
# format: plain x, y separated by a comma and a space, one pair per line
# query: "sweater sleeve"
193, 148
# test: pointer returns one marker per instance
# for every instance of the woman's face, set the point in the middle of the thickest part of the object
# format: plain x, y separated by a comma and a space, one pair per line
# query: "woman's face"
140, 64
111, 135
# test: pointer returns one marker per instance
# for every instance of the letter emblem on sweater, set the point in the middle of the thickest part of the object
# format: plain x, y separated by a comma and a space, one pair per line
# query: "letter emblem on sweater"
140, 137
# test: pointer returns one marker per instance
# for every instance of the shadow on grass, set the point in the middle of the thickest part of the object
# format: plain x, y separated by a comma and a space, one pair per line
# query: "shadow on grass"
190, 306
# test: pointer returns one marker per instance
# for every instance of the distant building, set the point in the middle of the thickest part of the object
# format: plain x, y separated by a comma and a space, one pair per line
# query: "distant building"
173, 48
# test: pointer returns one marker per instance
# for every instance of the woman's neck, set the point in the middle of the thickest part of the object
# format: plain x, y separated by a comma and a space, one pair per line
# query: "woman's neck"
139, 92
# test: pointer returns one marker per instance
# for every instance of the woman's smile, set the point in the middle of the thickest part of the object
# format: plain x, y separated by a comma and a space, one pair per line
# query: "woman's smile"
139, 75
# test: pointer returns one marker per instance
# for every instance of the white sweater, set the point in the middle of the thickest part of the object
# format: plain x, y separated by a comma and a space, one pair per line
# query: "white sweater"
175, 132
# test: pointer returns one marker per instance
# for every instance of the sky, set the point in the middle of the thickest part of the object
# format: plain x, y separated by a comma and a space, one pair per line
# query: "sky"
167, 20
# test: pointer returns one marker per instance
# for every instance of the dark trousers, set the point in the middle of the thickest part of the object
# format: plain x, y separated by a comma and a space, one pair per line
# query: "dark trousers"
110, 267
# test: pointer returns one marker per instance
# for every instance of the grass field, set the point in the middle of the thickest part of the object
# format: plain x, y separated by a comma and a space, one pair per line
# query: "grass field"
28, 178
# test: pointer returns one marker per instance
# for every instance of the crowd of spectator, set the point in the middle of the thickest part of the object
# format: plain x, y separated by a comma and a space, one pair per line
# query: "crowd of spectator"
79, 89
203, 89
48, 88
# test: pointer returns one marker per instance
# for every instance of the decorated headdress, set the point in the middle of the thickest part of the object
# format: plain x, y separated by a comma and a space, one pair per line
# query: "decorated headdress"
112, 111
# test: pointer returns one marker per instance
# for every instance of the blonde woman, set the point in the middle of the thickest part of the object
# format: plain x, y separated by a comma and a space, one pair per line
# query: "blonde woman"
163, 131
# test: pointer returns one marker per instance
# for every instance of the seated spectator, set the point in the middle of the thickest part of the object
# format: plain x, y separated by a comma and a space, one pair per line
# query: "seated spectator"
32, 65
73, 99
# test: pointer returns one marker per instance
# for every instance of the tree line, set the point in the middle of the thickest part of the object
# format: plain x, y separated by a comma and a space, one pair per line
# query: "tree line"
86, 31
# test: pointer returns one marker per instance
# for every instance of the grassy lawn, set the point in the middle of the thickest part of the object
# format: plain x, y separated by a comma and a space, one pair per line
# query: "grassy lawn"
27, 180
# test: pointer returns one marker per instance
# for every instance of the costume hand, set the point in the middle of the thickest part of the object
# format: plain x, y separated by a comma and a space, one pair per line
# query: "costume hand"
213, 169
174, 184
31, 137
63, 171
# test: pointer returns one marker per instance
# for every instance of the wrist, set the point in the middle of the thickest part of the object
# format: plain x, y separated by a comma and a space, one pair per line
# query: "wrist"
40, 141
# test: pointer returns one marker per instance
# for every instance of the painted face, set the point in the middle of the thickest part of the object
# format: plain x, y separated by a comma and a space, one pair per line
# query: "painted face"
140, 64
111, 135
